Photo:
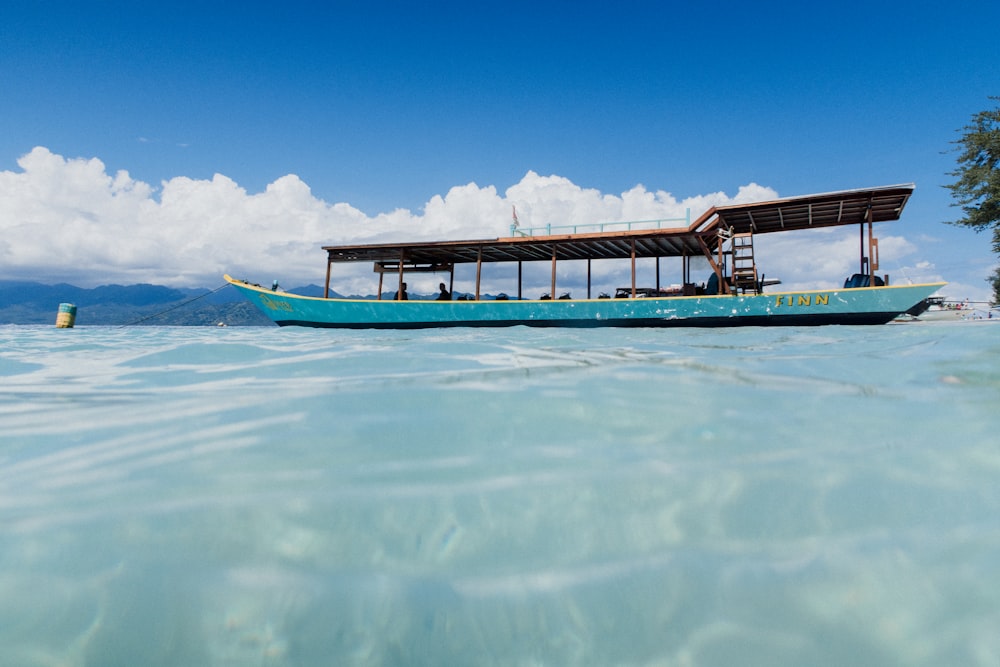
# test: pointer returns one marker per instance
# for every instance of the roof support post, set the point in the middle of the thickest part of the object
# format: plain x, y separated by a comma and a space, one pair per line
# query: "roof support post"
872, 264
479, 270
588, 277
553, 292
399, 290
723, 283
381, 275
861, 246
519, 281
633, 268
326, 288
719, 266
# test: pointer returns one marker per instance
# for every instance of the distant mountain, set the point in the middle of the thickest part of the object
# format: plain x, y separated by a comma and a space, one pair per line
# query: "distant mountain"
23, 302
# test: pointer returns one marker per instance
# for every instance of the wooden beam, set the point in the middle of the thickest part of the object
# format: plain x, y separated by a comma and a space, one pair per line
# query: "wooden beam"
717, 268
394, 267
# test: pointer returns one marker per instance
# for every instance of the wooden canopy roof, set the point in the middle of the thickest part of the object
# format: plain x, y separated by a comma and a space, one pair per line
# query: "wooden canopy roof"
832, 209
825, 210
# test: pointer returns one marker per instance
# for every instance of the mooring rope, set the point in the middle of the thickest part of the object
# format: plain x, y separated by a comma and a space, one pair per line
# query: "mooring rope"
180, 305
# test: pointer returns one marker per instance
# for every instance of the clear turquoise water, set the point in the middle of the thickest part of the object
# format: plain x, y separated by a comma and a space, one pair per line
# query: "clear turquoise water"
264, 496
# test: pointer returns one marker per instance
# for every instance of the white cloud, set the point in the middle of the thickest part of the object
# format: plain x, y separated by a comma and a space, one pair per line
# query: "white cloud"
68, 220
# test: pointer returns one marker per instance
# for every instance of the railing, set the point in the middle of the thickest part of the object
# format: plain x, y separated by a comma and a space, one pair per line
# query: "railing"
599, 227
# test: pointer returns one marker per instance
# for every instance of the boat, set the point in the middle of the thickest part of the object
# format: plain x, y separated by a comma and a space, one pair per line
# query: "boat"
940, 309
736, 292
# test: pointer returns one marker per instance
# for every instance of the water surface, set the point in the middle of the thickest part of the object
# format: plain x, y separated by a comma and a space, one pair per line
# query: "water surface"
265, 496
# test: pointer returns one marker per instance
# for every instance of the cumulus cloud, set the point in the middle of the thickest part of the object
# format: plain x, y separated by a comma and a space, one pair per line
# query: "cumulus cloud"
68, 220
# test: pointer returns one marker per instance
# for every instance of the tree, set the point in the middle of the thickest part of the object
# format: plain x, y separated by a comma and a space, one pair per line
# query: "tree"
994, 280
977, 189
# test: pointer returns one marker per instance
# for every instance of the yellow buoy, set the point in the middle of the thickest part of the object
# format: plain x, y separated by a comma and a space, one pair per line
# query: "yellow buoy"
66, 317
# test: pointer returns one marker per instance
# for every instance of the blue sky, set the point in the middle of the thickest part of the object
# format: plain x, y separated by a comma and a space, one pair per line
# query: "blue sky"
384, 106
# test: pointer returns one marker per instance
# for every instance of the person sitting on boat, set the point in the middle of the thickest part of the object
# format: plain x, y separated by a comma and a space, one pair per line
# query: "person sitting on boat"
401, 295
445, 295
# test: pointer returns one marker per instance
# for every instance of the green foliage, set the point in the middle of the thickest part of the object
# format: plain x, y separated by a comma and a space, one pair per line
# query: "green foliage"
977, 188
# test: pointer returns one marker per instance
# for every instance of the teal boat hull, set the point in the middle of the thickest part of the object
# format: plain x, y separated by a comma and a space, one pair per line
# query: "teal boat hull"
864, 305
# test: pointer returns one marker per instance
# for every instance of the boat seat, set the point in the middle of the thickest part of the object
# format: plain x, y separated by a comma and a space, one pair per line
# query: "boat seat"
862, 280
712, 287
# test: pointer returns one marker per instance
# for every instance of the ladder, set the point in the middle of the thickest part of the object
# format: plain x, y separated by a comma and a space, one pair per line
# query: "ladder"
744, 267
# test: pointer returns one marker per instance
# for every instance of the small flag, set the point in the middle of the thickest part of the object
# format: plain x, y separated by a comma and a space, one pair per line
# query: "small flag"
513, 210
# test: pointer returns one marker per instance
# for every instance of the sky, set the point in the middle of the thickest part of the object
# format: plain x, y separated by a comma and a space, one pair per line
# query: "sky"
170, 143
